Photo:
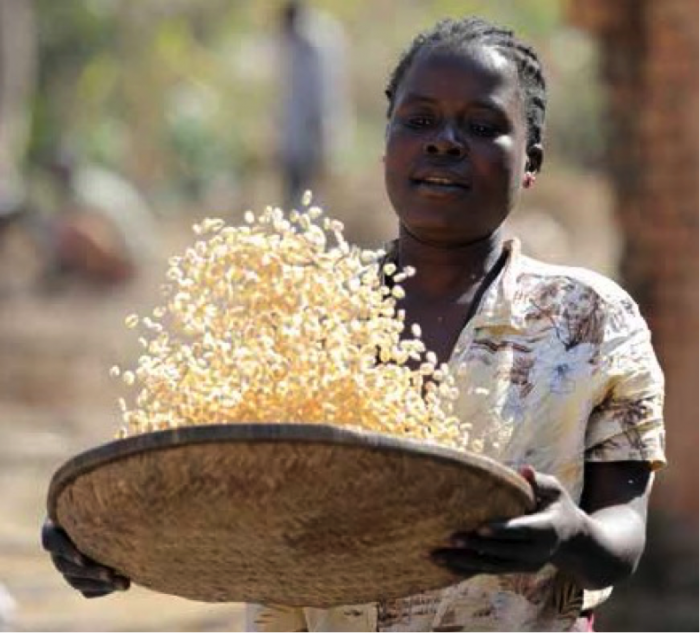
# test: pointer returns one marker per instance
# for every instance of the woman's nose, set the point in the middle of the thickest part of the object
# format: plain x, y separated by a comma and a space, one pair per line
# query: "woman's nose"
447, 142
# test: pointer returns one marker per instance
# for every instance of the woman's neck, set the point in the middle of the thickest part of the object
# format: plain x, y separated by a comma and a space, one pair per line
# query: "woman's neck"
446, 272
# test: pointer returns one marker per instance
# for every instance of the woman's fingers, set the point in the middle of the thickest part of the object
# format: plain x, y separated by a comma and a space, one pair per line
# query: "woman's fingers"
87, 576
520, 544
95, 594
57, 542
516, 551
88, 585
92, 571
546, 488
525, 528
69, 568
91, 577
471, 563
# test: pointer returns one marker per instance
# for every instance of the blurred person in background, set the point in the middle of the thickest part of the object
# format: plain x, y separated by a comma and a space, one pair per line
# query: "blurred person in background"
314, 115
87, 223
77, 223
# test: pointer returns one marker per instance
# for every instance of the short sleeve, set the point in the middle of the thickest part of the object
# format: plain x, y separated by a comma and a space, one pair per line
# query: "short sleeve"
274, 618
627, 423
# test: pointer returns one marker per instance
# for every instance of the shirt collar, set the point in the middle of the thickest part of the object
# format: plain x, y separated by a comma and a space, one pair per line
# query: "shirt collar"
499, 304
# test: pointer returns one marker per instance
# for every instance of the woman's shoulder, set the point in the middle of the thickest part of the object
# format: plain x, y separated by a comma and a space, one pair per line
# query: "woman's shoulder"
571, 281
554, 290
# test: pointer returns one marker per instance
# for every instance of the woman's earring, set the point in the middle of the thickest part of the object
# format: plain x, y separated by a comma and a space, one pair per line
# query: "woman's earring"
529, 180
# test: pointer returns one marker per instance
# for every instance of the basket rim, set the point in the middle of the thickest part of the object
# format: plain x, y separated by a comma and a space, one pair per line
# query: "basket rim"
265, 432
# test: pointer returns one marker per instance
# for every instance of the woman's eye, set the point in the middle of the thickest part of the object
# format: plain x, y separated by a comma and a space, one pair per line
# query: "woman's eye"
486, 130
419, 121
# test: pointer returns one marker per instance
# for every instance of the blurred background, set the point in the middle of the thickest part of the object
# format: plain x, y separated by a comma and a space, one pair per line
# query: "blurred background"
124, 122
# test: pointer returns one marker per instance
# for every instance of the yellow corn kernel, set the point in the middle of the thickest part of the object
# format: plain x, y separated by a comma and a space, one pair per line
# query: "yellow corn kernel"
273, 320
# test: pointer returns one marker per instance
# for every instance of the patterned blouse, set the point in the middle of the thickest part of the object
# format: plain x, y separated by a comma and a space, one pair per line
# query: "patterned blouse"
556, 368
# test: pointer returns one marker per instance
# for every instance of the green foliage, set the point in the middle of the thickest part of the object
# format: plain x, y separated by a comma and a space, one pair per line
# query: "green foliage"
71, 36
180, 94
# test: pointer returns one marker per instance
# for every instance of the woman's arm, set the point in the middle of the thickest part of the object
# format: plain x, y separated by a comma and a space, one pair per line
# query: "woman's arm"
598, 544
614, 504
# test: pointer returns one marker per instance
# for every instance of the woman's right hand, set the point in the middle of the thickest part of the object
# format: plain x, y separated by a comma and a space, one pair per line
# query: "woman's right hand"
81, 573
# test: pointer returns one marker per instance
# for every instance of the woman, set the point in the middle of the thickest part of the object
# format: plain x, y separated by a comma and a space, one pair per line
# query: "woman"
555, 364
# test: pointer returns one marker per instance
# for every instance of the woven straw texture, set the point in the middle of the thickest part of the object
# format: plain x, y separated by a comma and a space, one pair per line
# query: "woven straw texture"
286, 514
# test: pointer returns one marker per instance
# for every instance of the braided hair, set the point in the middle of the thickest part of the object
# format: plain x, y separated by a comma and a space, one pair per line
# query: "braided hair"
457, 35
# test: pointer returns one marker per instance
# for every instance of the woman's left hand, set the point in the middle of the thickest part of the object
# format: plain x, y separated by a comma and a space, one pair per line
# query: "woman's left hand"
522, 544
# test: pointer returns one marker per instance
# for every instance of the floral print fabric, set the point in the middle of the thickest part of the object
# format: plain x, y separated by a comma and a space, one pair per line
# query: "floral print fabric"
556, 368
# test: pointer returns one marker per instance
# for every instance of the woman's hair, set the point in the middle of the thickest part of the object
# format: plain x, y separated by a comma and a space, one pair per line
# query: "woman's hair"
456, 36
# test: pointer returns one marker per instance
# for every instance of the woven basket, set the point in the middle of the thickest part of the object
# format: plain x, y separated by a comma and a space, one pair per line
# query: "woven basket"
291, 514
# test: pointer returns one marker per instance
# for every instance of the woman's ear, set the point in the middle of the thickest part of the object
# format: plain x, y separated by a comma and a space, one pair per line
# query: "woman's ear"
535, 157
535, 154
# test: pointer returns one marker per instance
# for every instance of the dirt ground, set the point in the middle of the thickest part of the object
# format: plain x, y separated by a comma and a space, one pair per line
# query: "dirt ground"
56, 400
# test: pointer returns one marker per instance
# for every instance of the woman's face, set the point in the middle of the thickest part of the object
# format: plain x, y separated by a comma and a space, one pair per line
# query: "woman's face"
456, 145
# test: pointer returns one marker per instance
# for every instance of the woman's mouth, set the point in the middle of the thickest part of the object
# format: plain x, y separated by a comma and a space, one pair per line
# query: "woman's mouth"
440, 185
